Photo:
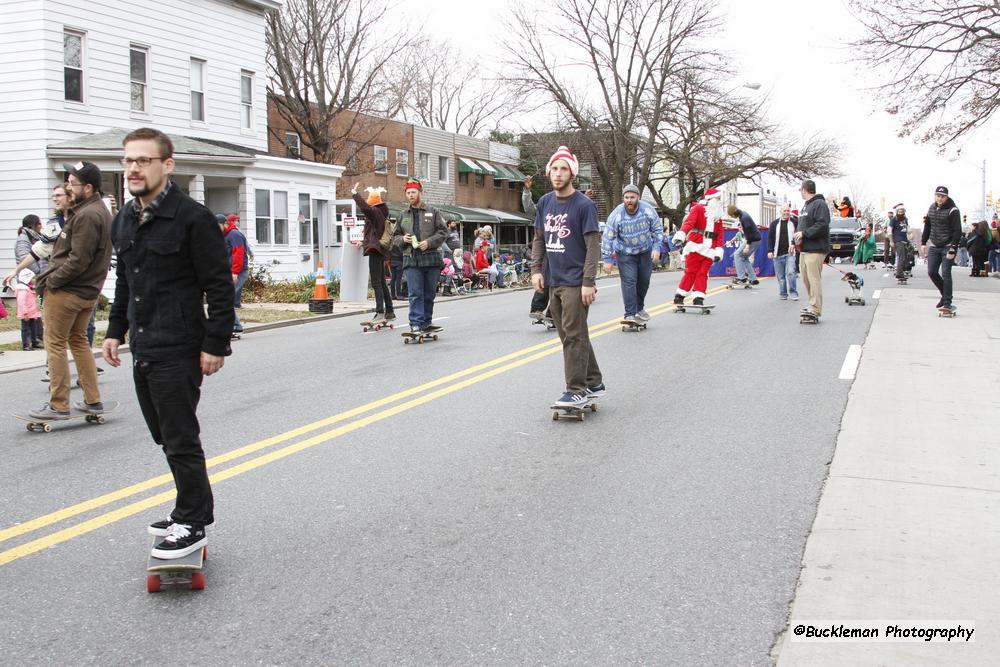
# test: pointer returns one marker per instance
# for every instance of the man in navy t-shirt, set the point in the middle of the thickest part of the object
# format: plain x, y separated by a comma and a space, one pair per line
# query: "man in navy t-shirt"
568, 241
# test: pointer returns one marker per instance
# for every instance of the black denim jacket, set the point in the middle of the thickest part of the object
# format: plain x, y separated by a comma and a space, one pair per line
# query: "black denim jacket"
167, 267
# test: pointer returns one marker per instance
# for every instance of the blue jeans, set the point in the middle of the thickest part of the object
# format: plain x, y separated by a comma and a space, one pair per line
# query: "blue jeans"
635, 271
784, 271
238, 286
744, 265
994, 260
422, 285
92, 326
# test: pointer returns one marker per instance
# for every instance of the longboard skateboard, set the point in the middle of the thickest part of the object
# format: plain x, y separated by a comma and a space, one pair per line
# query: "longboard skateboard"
375, 326
35, 424
236, 336
185, 571
946, 312
419, 336
705, 309
632, 326
742, 285
852, 300
547, 321
808, 318
576, 412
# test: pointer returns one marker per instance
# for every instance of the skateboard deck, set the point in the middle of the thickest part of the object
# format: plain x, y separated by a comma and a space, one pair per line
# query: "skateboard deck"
705, 309
235, 336
419, 336
375, 326
185, 571
632, 326
576, 412
946, 312
547, 321
741, 285
35, 424
852, 300
808, 318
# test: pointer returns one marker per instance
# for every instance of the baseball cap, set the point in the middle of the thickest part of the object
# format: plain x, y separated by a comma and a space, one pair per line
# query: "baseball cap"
941, 190
219, 218
87, 173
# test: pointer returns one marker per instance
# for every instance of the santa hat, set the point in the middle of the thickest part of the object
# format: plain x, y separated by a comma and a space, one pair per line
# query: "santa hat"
712, 193
413, 183
899, 207
562, 153
795, 211
375, 195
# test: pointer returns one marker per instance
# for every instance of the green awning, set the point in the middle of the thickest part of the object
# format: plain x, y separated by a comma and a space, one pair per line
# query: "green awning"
467, 166
516, 173
505, 217
462, 214
490, 169
504, 173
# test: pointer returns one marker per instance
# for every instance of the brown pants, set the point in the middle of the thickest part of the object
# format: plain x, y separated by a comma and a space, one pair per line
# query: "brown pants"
811, 266
570, 317
66, 316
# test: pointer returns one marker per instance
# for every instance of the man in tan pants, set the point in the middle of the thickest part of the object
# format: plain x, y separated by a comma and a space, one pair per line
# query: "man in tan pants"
72, 284
813, 242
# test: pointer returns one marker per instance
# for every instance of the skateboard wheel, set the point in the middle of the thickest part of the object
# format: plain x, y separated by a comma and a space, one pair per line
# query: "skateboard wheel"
100, 420
364, 329
31, 427
406, 341
434, 337
46, 428
862, 302
204, 553
153, 583
623, 328
593, 407
197, 581
580, 417
555, 416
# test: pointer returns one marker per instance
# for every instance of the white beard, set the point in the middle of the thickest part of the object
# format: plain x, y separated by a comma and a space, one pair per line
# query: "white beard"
714, 212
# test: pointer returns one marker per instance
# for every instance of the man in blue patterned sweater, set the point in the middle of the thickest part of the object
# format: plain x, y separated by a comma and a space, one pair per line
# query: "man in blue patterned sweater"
634, 233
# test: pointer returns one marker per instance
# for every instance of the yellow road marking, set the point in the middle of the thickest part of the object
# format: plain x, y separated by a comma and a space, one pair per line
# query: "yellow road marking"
535, 353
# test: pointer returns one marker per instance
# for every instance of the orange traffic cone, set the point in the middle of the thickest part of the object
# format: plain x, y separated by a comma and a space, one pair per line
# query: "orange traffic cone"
319, 292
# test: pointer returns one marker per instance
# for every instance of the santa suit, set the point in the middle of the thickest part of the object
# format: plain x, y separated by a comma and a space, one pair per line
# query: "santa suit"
703, 232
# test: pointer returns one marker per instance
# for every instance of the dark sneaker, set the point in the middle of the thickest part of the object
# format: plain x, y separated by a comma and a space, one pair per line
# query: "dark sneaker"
92, 408
433, 328
699, 301
181, 541
940, 303
597, 390
755, 282
46, 412
678, 299
390, 316
630, 318
163, 527
572, 399
643, 315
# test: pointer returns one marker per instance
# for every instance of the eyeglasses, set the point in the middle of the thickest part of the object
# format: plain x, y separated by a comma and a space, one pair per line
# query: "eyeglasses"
141, 161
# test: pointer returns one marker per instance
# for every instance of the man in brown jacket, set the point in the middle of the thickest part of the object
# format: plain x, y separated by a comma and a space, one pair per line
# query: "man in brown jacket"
71, 285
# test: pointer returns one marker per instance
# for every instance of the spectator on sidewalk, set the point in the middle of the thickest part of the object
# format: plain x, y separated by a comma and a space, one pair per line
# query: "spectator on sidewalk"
744, 255
70, 287
419, 234
539, 298
376, 214
239, 261
567, 244
171, 260
899, 227
633, 233
812, 241
27, 311
994, 258
943, 233
453, 241
978, 242
782, 252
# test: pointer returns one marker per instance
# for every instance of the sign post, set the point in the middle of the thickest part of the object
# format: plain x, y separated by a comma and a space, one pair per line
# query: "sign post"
353, 265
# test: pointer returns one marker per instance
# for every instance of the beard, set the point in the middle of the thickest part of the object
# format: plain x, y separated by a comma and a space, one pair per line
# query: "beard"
146, 188
632, 208
714, 210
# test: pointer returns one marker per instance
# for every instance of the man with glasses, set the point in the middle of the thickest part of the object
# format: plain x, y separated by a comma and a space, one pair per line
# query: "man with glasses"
812, 239
943, 230
171, 257
71, 285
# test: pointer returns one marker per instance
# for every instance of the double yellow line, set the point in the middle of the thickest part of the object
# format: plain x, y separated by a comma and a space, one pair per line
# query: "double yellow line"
417, 396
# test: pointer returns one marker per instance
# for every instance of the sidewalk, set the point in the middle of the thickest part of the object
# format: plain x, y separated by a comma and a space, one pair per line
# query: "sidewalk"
907, 525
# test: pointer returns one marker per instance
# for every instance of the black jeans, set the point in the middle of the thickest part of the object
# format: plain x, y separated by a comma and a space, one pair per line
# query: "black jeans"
939, 270
168, 393
376, 272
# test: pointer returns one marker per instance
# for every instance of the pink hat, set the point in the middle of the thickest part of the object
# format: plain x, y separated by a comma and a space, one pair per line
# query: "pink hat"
562, 153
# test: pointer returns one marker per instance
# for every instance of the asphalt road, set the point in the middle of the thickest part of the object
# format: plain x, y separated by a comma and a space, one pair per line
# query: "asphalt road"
416, 504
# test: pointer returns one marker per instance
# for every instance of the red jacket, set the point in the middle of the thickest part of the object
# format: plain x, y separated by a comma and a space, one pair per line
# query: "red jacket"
237, 248
481, 262
693, 231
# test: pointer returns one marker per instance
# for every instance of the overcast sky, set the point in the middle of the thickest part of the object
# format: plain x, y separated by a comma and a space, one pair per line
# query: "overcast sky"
796, 51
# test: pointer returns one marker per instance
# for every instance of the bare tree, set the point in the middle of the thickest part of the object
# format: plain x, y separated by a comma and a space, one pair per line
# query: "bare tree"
448, 92
942, 58
609, 82
333, 67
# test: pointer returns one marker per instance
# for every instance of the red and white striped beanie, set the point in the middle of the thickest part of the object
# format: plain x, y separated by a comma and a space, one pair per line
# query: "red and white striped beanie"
562, 153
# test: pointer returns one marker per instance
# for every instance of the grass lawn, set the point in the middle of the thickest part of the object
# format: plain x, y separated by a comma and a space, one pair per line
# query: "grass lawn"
264, 315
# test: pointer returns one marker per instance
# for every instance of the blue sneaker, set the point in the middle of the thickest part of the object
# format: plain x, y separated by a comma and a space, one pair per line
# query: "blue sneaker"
572, 399
597, 390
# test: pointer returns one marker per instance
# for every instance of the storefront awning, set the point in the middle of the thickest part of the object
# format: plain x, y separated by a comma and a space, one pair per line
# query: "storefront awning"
503, 173
490, 169
505, 217
467, 166
463, 214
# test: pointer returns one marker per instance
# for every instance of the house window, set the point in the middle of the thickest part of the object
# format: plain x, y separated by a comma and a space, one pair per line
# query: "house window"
246, 99
512, 185
198, 90
402, 163
586, 176
381, 159
480, 180
293, 145
444, 170
305, 219
280, 218
497, 183
352, 155
463, 178
72, 66
423, 166
263, 218
138, 68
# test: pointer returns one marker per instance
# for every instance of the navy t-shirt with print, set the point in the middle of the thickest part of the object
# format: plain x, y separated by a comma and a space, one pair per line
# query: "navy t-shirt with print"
564, 223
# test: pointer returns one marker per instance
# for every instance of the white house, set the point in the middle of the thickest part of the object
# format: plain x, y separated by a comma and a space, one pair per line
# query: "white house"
76, 78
